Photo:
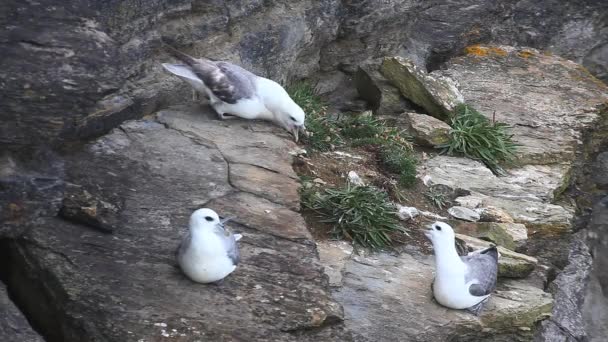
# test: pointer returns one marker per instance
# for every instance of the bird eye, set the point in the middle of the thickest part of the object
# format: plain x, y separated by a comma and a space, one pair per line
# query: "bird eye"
209, 218
292, 118
438, 228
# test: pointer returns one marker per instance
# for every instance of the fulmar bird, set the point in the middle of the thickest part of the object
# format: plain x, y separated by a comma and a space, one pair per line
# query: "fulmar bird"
209, 252
234, 91
461, 282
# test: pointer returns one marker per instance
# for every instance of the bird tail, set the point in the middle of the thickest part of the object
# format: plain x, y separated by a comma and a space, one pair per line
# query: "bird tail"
180, 55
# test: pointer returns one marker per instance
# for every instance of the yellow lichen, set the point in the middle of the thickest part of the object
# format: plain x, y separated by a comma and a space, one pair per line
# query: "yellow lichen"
482, 51
498, 51
525, 54
476, 50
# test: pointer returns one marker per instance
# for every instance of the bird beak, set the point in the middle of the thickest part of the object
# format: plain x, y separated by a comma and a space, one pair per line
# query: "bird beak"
225, 220
428, 232
295, 130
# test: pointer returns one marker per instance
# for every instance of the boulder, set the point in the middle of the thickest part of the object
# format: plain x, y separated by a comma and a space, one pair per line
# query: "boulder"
510, 264
428, 131
79, 284
382, 285
437, 95
493, 214
13, 325
493, 232
380, 94
463, 213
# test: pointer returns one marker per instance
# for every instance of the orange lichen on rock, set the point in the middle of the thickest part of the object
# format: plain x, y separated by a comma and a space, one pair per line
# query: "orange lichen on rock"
476, 50
525, 54
498, 51
482, 51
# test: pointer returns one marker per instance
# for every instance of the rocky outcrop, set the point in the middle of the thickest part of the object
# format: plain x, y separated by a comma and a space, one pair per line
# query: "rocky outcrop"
388, 298
13, 325
77, 283
570, 287
562, 101
438, 95
79, 70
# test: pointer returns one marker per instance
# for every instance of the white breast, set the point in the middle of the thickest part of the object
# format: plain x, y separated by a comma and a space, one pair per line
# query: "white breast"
206, 260
450, 290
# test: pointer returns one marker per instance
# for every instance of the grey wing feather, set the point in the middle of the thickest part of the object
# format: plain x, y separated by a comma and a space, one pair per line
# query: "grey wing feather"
232, 249
228, 82
230, 244
482, 267
183, 245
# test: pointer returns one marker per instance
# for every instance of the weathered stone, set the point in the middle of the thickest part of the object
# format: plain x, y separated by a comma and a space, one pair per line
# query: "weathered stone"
354, 179
382, 285
406, 213
31, 186
82, 207
510, 264
493, 232
262, 215
493, 214
78, 284
13, 325
569, 289
333, 256
524, 199
463, 213
266, 184
561, 99
427, 130
268, 151
437, 95
383, 97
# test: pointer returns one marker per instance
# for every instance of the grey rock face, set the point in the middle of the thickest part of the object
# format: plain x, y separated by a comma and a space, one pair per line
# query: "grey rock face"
13, 325
78, 70
80, 284
464, 213
570, 287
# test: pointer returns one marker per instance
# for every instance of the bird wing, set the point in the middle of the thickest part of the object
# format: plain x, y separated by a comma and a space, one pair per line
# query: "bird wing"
181, 249
229, 241
228, 82
482, 269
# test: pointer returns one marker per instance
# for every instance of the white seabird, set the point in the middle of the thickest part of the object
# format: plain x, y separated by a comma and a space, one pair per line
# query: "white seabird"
209, 252
461, 282
234, 91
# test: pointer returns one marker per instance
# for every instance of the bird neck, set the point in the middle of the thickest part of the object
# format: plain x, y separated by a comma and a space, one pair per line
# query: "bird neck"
275, 98
447, 260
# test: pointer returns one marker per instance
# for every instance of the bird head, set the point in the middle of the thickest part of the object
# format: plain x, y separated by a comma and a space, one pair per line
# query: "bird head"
292, 119
440, 234
206, 217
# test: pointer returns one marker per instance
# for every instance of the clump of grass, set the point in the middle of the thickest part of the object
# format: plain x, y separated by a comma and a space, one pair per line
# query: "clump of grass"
322, 131
399, 160
362, 214
476, 137
361, 127
437, 198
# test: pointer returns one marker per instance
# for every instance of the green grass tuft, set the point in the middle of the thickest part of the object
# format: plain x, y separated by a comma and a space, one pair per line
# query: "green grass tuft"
362, 214
399, 160
476, 137
323, 132
437, 198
